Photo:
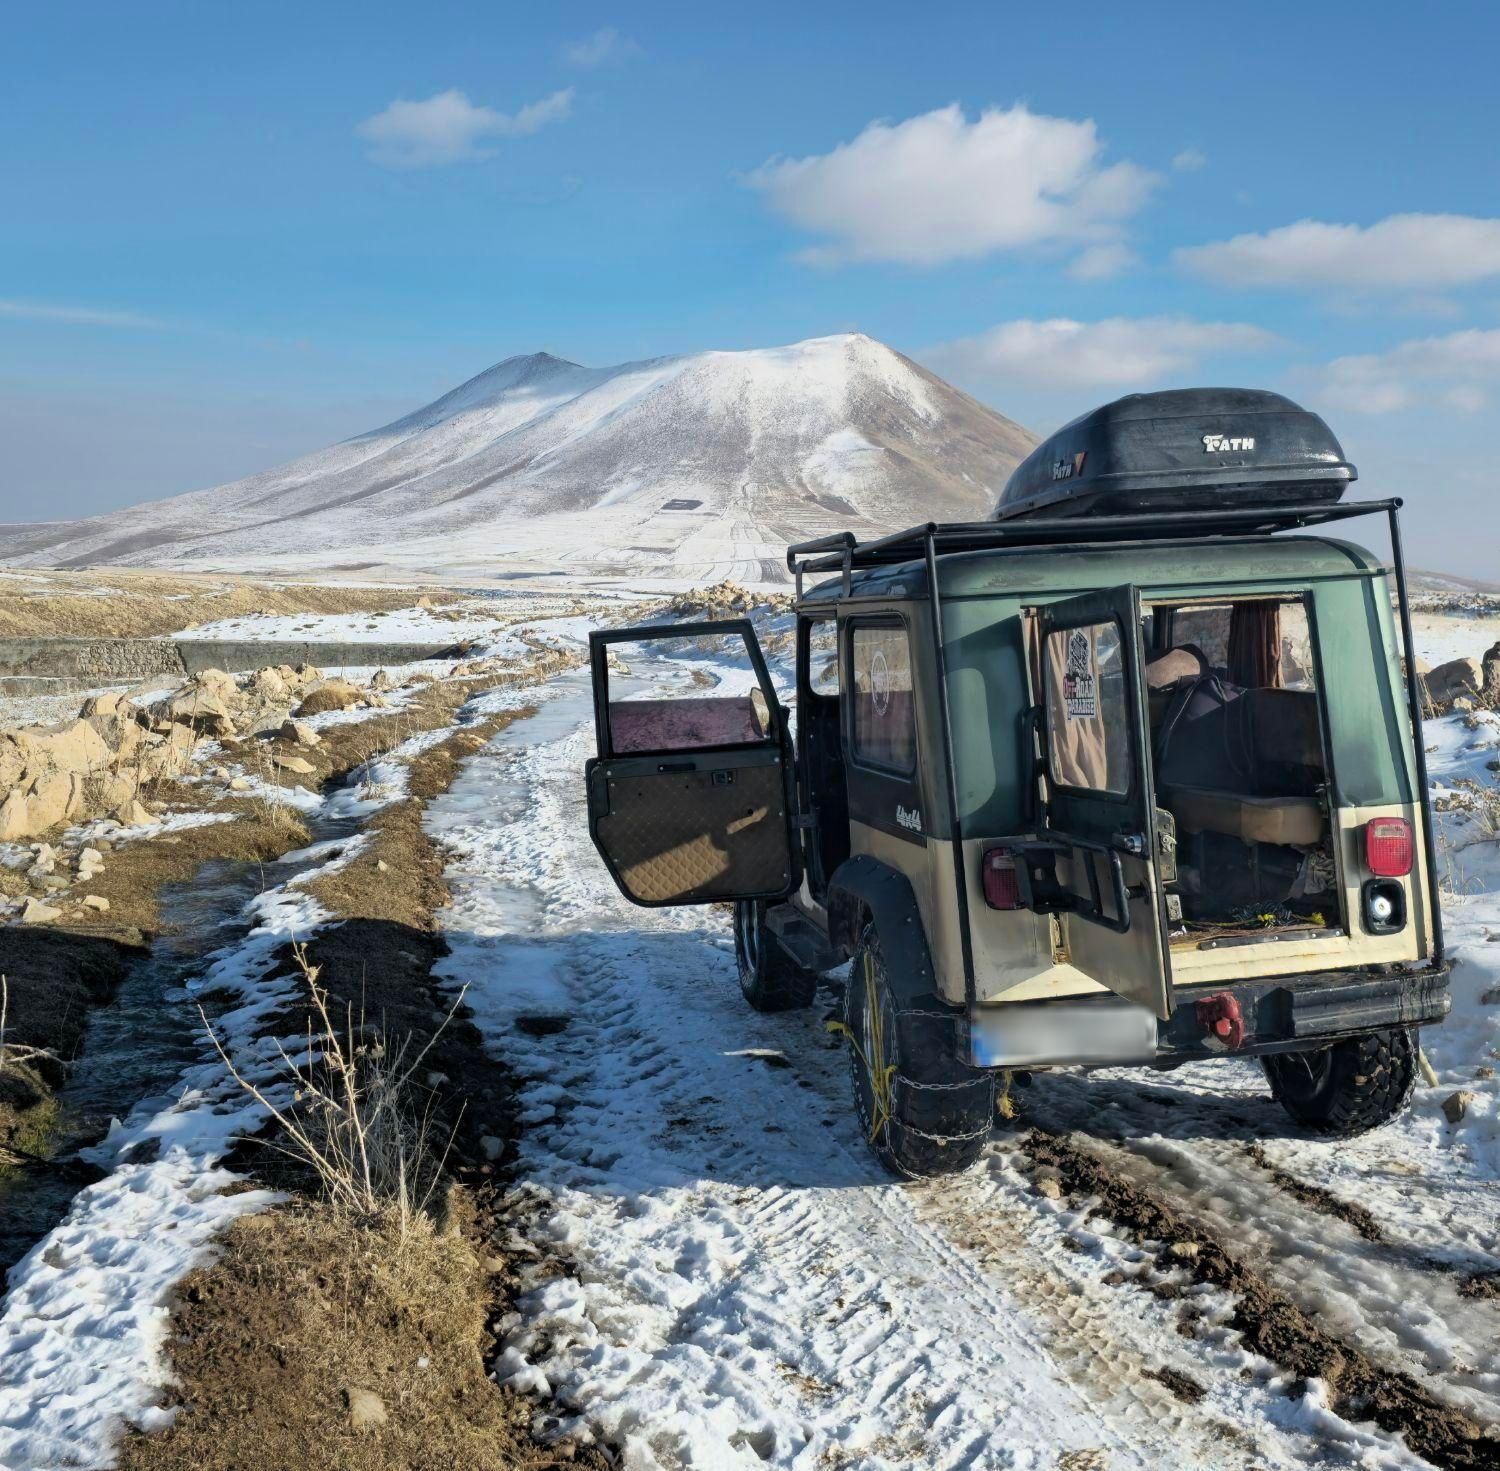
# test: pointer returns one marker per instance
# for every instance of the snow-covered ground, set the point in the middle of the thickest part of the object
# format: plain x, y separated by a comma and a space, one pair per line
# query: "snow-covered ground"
746, 1287
749, 1289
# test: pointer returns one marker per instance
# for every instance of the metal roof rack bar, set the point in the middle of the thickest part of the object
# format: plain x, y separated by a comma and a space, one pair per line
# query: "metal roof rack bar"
843, 553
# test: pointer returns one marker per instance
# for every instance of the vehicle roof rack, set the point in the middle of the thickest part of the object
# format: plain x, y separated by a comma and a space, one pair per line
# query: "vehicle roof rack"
844, 553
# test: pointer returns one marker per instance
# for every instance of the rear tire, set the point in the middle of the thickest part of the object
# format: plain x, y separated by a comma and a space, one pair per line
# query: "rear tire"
1355, 1085
921, 1110
770, 979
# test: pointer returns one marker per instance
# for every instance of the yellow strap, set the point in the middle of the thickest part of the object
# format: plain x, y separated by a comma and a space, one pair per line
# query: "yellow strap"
880, 1077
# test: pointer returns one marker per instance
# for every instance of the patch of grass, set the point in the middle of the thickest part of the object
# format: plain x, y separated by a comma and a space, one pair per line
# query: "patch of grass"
302, 1318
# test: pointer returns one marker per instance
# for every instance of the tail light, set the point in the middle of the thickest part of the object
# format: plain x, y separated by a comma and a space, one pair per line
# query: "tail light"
1388, 847
1002, 889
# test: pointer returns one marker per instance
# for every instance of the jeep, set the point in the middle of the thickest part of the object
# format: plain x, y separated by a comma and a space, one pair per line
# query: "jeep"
1128, 776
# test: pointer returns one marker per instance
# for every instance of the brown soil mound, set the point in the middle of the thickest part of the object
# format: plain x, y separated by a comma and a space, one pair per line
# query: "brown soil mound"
314, 1344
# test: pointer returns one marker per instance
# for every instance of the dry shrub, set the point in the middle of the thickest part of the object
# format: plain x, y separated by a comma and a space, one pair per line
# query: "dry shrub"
359, 1117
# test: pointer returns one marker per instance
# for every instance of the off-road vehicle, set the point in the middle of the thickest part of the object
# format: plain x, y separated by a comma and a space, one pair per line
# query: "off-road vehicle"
1129, 775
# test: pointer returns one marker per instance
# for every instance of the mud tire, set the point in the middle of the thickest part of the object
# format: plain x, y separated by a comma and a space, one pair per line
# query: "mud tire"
1354, 1086
939, 1112
769, 978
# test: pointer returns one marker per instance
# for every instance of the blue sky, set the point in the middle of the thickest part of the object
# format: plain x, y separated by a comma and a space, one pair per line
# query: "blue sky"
232, 234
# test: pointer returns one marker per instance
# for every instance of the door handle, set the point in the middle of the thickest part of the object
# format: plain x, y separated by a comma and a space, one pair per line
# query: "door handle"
664, 768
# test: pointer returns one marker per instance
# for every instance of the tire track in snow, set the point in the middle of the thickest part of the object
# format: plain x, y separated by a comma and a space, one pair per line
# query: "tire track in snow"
749, 1288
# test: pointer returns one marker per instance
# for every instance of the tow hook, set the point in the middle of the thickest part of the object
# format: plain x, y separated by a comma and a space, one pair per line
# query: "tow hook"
1220, 1018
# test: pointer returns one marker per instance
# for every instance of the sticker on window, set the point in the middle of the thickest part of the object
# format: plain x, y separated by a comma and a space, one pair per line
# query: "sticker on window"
1081, 680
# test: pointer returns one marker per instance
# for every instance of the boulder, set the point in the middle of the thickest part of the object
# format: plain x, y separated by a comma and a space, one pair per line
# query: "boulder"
269, 687
303, 735
73, 745
14, 819
296, 764
35, 912
96, 901
381, 680
132, 814
1457, 679
332, 694
90, 860
53, 799
240, 784
1490, 665
202, 710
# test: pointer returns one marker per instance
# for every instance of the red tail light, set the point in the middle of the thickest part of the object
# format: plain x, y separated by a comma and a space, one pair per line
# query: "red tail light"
1002, 890
1388, 847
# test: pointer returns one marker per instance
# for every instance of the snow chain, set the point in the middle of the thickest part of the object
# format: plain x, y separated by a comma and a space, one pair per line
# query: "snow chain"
880, 1077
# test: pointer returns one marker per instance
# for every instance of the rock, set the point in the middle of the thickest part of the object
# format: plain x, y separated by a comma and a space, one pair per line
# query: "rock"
332, 694
493, 1148
307, 674
381, 680
269, 686
304, 735
74, 745
106, 704
90, 860
425, 602
105, 793
132, 814
1049, 1186
1457, 679
203, 710
240, 784
220, 773
1185, 1250
14, 820
366, 1410
56, 884
35, 912
96, 901
1456, 1105
53, 799
381, 866
297, 764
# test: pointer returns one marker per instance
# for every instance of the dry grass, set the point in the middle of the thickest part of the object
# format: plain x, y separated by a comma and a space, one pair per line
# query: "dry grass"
299, 1319
359, 1117
120, 604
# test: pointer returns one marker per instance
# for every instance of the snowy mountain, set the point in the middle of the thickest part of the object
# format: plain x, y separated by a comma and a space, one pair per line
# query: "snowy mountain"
704, 465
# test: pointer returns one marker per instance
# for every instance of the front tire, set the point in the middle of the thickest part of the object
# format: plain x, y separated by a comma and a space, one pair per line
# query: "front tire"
921, 1110
1349, 1088
770, 979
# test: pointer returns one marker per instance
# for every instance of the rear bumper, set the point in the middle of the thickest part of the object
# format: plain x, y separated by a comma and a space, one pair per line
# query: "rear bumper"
1278, 1014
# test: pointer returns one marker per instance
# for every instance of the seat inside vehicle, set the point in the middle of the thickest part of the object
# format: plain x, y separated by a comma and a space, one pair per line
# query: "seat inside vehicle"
1237, 743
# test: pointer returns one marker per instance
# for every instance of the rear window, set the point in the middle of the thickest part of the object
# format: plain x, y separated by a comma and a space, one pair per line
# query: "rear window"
885, 726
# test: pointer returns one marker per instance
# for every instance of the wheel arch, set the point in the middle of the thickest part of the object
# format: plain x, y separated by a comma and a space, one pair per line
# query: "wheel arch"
863, 890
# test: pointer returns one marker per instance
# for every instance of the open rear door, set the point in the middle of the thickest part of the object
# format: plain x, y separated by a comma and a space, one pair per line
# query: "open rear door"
690, 796
1100, 808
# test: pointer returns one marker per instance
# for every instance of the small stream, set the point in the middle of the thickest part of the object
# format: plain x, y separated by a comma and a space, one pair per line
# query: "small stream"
137, 1045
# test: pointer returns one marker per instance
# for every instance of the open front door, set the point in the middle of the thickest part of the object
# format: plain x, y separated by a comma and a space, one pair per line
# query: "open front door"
1100, 807
690, 796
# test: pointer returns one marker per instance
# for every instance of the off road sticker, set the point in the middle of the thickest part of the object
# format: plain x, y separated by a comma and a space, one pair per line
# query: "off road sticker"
1080, 681
880, 682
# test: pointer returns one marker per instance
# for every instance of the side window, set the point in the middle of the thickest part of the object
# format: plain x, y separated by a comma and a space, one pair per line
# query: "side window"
720, 702
884, 720
823, 658
1088, 716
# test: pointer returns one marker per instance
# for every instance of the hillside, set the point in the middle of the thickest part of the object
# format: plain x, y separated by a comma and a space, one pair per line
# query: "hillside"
696, 466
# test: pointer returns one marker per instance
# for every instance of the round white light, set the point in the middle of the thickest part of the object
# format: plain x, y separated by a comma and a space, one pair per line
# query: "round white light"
1381, 908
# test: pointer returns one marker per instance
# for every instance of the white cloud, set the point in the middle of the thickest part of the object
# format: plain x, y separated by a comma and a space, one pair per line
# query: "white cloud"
1452, 370
1118, 352
605, 45
1405, 252
1102, 262
448, 128
1190, 160
939, 188
75, 316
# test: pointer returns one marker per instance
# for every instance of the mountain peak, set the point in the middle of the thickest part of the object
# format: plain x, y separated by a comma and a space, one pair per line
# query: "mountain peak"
701, 465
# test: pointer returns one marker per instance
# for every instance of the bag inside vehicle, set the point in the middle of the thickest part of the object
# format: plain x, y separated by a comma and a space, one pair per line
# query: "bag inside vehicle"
1240, 764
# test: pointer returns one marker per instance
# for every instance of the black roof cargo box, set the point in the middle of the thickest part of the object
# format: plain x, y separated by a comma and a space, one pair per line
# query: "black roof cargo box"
1186, 449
